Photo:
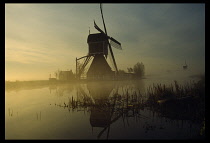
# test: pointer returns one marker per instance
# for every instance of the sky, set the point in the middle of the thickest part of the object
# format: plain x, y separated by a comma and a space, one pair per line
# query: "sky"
43, 38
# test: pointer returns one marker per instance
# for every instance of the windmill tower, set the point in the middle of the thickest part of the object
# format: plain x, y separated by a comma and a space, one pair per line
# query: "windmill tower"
99, 44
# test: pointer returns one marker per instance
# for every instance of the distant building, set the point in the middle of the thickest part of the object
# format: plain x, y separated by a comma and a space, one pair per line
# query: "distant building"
65, 75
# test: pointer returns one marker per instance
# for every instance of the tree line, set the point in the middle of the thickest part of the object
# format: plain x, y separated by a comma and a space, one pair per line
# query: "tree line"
138, 70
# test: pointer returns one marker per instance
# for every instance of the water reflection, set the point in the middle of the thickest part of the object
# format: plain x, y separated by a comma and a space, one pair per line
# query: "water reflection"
112, 110
103, 108
108, 102
61, 89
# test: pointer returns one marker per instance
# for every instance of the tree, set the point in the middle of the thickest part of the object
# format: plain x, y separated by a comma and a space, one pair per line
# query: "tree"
130, 70
139, 70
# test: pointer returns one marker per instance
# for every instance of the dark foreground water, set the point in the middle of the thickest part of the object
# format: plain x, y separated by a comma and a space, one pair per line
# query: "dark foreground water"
93, 110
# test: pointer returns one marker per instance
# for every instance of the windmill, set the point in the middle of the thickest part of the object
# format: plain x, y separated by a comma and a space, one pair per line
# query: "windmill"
99, 44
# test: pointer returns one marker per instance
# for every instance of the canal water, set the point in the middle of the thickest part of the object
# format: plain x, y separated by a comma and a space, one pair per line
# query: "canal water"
91, 110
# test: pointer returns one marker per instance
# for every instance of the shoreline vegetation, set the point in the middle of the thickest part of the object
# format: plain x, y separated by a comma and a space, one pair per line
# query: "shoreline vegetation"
179, 102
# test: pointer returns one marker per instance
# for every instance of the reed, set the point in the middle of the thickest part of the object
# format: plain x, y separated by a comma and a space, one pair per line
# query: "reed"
177, 101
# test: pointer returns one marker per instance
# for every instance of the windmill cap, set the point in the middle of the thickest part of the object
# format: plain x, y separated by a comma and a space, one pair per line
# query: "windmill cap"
96, 37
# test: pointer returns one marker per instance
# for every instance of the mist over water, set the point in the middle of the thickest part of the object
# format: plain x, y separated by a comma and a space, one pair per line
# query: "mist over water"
89, 110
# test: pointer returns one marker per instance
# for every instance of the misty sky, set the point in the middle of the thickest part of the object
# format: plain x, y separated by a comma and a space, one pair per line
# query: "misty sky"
42, 38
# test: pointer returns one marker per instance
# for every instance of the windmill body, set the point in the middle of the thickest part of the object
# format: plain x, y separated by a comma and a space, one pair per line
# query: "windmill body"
98, 51
98, 48
97, 44
100, 69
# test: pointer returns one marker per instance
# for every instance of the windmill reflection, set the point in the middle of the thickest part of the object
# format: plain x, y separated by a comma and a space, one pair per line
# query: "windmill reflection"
102, 111
111, 101
106, 102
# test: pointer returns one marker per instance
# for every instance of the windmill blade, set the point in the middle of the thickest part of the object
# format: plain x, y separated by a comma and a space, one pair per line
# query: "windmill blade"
110, 48
115, 65
115, 43
111, 59
117, 46
114, 40
96, 27
103, 19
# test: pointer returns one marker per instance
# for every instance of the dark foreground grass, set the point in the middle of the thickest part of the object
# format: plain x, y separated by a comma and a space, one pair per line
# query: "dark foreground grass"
179, 102
179, 98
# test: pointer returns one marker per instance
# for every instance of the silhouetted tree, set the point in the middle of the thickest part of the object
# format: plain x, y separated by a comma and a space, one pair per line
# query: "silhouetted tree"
139, 70
130, 70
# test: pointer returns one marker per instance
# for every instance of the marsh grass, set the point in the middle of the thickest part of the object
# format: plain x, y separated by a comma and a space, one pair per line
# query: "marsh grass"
182, 102
176, 101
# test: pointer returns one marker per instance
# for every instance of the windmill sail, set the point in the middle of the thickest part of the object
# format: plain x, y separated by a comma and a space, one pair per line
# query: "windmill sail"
111, 60
115, 43
110, 48
96, 26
